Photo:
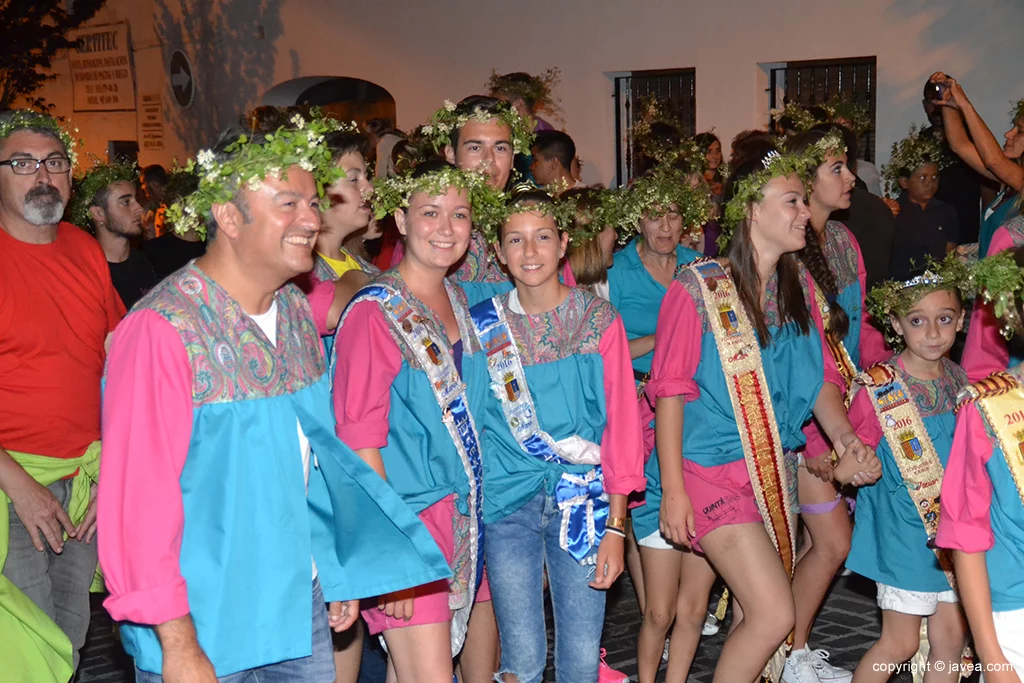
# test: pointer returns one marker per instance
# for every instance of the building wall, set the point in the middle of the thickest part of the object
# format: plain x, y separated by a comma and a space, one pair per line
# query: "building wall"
424, 52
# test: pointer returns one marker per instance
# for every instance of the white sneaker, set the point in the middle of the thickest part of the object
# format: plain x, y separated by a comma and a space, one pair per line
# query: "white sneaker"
825, 671
799, 668
711, 625
664, 653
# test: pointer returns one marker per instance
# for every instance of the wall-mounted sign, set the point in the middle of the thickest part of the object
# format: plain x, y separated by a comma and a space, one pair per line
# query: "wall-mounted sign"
151, 122
183, 82
101, 69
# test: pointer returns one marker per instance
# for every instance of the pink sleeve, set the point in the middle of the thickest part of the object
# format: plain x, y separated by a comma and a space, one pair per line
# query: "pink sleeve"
831, 371
985, 349
368, 362
147, 426
864, 420
677, 345
817, 443
321, 298
872, 343
966, 488
397, 254
622, 454
568, 279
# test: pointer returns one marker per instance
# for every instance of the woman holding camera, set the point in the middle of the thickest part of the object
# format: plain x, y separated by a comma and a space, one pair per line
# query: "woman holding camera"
972, 141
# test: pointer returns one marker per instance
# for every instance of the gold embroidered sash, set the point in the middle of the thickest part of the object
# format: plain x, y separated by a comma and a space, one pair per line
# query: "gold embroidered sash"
911, 448
740, 355
1001, 399
846, 366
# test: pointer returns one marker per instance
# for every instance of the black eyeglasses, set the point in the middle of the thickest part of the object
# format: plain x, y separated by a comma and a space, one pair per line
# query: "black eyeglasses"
27, 166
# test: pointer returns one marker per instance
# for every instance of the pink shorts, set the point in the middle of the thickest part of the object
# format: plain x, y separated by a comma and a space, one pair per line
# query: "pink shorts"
430, 601
720, 495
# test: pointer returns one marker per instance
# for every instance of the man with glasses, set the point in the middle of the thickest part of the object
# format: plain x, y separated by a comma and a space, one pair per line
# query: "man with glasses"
57, 307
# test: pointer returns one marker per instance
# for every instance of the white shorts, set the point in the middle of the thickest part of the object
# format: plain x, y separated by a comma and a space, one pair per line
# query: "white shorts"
1010, 634
658, 542
916, 603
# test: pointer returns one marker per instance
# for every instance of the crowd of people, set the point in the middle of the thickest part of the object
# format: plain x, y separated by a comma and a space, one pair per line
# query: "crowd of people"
341, 404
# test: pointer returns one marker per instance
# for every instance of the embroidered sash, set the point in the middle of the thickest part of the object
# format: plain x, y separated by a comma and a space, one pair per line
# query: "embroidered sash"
842, 357
740, 355
1001, 399
437, 362
912, 449
580, 497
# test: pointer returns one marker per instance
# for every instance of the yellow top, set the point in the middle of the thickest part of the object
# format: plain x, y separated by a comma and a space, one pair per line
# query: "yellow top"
342, 266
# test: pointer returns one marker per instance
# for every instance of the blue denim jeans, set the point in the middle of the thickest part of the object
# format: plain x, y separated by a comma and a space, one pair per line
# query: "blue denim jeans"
316, 668
517, 549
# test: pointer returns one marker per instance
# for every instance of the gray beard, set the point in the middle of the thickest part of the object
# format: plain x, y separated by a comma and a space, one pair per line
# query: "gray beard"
43, 210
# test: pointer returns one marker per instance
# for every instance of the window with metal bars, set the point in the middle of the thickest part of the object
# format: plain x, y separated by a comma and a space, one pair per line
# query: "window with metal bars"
816, 81
674, 88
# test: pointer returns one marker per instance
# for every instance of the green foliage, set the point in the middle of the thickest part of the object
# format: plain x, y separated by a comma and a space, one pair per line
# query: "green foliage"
897, 298
246, 164
33, 33
24, 118
1000, 282
446, 120
908, 155
89, 185
537, 89
655, 193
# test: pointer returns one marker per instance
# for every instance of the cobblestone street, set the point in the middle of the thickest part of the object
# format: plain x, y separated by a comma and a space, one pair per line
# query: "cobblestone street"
846, 627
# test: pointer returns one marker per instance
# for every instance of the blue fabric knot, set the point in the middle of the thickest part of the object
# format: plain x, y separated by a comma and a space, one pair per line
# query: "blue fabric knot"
831, 299
585, 509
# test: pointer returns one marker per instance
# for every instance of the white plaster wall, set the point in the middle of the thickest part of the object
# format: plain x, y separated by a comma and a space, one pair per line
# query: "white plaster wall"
426, 51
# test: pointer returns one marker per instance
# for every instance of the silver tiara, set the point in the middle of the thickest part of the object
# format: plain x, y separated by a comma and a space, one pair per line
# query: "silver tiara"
769, 158
926, 278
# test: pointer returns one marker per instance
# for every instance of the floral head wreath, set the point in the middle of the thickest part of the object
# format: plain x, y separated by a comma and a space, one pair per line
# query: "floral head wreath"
1017, 112
394, 192
26, 118
893, 298
563, 211
448, 119
246, 163
536, 89
751, 189
832, 145
652, 194
90, 184
908, 154
857, 115
1000, 282
650, 110
801, 117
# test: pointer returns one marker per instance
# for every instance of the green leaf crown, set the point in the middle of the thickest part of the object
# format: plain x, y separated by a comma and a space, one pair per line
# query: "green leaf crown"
751, 188
909, 154
803, 119
487, 203
246, 163
896, 298
89, 185
1017, 111
655, 192
26, 118
536, 89
1000, 282
447, 119
562, 210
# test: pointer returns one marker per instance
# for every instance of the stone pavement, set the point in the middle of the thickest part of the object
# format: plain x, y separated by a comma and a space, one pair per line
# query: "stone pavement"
846, 627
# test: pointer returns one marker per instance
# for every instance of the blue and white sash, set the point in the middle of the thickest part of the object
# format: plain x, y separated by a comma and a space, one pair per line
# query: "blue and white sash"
437, 362
580, 497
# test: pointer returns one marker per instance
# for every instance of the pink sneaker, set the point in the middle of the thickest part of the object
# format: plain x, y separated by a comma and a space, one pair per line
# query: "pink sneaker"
606, 674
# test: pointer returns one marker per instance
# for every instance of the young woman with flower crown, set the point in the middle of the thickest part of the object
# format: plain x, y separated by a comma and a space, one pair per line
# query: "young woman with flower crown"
905, 409
739, 366
400, 403
833, 258
561, 432
982, 518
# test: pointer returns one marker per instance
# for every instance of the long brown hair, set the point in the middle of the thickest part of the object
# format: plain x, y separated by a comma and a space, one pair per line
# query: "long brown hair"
812, 255
585, 260
743, 262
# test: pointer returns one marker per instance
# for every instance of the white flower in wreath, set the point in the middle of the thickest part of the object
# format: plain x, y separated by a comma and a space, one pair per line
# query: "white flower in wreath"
449, 105
254, 183
427, 130
205, 158
298, 121
306, 165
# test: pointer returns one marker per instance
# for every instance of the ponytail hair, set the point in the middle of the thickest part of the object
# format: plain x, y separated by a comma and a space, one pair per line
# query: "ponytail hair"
812, 255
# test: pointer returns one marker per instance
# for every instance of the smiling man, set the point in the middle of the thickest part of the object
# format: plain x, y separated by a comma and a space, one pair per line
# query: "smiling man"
105, 202
230, 508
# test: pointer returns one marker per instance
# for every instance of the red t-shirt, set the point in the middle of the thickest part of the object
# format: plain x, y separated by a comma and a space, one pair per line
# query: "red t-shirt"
57, 305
